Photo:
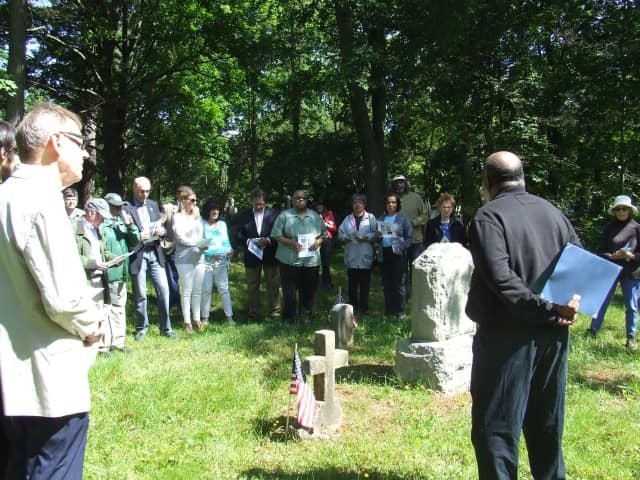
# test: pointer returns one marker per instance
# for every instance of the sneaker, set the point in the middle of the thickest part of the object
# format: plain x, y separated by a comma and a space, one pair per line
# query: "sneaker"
188, 329
230, 321
123, 349
631, 343
401, 317
105, 353
170, 334
140, 334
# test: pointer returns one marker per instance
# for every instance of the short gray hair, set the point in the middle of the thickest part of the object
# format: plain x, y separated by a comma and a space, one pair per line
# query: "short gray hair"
38, 125
358, 197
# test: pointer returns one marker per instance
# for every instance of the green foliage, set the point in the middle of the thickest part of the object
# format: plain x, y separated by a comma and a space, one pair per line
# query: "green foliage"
218, 94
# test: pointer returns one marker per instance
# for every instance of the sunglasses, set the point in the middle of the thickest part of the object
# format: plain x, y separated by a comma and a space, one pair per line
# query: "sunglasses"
83, 142
620, 209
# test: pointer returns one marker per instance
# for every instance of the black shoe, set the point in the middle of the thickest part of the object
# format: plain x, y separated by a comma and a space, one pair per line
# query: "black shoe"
631, 343
105, 353
591, 332
171, 335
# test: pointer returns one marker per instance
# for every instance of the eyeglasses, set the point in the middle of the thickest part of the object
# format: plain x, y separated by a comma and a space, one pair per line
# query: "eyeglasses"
620, 209
83, 143
192, 200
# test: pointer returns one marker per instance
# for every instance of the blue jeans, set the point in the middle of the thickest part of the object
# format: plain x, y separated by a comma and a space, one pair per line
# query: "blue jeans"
630, 291
159, 279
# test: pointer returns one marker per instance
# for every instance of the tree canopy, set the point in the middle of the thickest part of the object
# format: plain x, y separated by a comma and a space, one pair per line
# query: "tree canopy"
338, 96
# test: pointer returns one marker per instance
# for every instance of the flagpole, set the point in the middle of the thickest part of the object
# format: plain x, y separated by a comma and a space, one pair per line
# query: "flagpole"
286, 428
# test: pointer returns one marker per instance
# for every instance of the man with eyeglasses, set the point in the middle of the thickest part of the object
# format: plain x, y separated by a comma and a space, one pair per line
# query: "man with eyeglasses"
148, 259
299, 232
49, 323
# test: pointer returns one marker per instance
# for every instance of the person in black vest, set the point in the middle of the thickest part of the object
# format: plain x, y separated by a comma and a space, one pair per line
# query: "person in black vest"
519, 369
254, 235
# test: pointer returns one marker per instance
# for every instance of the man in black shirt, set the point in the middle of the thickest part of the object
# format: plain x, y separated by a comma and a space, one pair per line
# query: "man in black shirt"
518, 377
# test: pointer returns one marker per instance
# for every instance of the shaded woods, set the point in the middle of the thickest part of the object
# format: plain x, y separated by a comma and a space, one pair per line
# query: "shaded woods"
338, 96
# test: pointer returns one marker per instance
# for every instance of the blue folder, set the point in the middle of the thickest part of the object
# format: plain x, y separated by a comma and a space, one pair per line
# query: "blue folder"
578, 271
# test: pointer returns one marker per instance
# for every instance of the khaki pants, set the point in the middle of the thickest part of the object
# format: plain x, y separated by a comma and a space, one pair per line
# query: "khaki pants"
272, 279
115, 327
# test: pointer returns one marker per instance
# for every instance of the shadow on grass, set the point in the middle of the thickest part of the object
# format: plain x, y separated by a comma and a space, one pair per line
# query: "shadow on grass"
611, 382
317, 474
367, 373
277, 429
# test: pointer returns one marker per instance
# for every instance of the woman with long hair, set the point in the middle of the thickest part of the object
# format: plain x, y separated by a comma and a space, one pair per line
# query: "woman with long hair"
188, 232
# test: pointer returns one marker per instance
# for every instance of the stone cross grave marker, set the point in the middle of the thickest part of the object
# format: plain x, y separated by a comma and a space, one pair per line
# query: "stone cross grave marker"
323, 366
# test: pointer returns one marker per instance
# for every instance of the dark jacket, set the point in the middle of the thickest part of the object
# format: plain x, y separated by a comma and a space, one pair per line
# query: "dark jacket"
514, 241
154, 215
433, 231
617, 235
246, 229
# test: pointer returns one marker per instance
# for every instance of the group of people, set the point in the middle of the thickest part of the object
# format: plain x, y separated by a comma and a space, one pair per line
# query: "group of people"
54, 290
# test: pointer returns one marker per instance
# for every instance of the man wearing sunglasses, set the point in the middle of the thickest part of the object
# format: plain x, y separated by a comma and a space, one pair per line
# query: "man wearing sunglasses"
149, 259
49, 322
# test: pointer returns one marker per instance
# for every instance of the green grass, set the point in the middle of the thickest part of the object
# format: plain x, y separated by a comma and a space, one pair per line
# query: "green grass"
206, 407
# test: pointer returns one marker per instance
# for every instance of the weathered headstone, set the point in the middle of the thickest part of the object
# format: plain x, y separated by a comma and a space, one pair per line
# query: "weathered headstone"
341, 321
323, 366
438, 354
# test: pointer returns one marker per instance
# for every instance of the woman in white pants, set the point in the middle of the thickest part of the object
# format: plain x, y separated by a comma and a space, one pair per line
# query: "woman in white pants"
217, 255
187, 230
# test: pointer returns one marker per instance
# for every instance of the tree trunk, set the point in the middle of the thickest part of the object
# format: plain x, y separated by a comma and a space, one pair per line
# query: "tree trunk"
370, 132
17, 55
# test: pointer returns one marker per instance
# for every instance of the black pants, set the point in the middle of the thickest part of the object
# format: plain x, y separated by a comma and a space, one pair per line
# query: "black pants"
518, 383
172, 279
299, 286
359, 281
325, 260
42, 448
393, 270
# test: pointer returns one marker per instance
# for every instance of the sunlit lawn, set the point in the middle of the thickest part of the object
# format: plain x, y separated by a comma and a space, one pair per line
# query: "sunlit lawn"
206, 406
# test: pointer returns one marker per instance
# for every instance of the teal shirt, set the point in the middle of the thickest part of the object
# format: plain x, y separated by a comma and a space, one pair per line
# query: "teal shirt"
290, 225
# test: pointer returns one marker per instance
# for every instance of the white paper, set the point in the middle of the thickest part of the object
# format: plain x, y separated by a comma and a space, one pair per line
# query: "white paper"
255, 248
388, 229
306, 240
120, 258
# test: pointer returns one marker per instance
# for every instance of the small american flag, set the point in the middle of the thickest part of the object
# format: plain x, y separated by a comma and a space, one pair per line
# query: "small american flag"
306, 399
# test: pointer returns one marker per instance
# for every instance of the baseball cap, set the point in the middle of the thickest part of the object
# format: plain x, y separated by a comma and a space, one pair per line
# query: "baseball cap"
398, 178
114, 199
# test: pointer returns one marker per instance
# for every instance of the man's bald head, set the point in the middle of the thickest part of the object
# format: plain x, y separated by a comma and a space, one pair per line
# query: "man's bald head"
502, 170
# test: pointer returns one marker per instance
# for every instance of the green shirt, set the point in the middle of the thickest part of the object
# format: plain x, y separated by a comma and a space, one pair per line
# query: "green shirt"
289, 224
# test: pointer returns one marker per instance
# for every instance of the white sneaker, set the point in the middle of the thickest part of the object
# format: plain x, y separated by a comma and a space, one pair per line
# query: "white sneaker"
230, 321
